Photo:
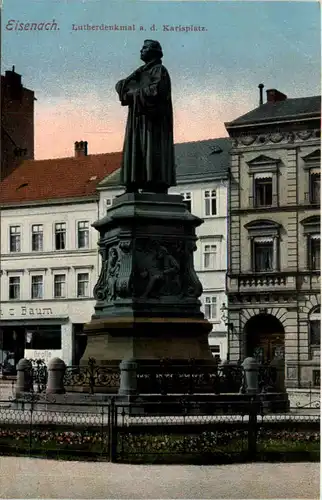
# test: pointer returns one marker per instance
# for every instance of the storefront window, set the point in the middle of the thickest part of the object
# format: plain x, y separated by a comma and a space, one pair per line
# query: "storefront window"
46, 337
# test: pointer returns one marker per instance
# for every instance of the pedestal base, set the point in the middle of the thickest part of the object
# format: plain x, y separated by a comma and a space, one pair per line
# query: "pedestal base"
147, 339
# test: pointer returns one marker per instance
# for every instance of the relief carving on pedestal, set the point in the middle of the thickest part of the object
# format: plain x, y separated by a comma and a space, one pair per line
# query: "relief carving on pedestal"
111, 283
166, 270
157, 270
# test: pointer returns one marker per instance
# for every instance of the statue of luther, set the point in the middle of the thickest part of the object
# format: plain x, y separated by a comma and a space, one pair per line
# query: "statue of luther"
148, 153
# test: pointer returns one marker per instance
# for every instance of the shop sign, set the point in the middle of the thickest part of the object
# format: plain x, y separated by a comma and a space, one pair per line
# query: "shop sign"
25, 311
45, 355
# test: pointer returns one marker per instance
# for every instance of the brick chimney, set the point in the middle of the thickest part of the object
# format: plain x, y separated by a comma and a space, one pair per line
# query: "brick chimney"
274, 95
80, 149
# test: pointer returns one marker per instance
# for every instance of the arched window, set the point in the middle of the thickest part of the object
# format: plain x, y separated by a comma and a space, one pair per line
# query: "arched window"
315, 331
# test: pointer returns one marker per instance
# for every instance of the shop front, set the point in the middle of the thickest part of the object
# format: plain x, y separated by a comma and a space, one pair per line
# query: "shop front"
39, 332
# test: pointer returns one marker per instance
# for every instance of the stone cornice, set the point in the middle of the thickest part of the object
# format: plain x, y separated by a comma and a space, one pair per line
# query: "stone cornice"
278, 137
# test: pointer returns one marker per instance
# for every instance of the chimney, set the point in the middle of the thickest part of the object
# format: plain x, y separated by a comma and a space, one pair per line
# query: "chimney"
261, 86
274, 95
80, 149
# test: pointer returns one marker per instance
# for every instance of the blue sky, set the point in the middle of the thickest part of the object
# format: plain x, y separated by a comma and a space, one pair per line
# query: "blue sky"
215, 73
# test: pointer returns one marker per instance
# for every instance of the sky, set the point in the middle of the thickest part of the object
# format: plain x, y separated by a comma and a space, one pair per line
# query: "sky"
215, 72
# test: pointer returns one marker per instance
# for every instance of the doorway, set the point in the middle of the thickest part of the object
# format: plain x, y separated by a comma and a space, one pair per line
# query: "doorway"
265, 338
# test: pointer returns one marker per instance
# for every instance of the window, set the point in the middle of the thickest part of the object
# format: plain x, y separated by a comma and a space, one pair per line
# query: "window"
315, 332
46, 337
37, 287
314, 249
311, 230
263, 192
59, 286
15, 239
210, 203
187, 200
108, 203
83, 234
312, 165
315, 178
83, 285
14, 288
37, 238
263, 254
264, 237
60, 236
211, 307
316, 378
209, 256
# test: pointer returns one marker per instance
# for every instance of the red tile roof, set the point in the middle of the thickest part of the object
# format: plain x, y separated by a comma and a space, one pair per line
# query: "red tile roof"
36, 180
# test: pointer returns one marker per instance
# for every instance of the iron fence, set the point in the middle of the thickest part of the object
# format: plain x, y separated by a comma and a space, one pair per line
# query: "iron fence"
163, 378
193, 432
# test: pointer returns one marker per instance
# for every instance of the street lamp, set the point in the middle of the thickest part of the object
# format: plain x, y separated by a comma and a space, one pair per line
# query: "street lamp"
228, 324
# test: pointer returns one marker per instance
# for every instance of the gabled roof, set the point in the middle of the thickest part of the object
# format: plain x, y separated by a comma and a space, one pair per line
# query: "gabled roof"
195, 161
295, 108
37, 180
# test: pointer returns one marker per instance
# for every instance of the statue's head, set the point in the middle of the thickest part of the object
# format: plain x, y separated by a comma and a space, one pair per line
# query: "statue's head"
151, 50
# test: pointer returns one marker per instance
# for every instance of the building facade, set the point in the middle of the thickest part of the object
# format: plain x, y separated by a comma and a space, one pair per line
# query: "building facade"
17, 122
202, 175
273, 278
49, 258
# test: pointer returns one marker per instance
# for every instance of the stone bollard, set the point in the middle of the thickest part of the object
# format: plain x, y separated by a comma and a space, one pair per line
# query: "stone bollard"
278, 365
128, 381
56, 372
251, 369
24, 377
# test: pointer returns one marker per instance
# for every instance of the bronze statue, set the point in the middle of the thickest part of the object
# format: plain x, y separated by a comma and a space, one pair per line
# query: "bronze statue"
148, 153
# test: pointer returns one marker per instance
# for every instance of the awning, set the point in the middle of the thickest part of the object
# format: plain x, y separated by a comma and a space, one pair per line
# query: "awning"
263, 175
315, 171
315, 236
263, 239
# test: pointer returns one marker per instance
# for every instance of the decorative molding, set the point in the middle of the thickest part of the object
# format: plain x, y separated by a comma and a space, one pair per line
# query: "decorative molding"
85, 266
11, 271
276, 137
37, 270
63, 268
263, 227
311, 160
311, 224
279, 313
240, 300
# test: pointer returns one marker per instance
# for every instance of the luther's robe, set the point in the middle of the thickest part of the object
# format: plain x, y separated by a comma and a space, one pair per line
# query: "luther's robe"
148, 152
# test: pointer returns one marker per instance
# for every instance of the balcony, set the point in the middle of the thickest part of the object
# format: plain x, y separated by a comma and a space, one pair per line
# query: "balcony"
310, 280
257, 282
277, 281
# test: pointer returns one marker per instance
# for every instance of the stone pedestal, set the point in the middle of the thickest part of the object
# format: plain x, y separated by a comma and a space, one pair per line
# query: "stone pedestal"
147, 295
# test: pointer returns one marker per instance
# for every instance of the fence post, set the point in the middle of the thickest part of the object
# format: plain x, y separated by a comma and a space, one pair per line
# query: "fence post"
113, 430
56, 372
128, 380
252, 429
251, 369
24, 377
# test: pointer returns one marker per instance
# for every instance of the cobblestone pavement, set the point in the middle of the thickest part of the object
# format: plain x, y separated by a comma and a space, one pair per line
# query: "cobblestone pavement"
36, 478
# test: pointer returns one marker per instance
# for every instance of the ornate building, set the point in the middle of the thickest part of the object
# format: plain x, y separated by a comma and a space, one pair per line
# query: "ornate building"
49, 261
273, 278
